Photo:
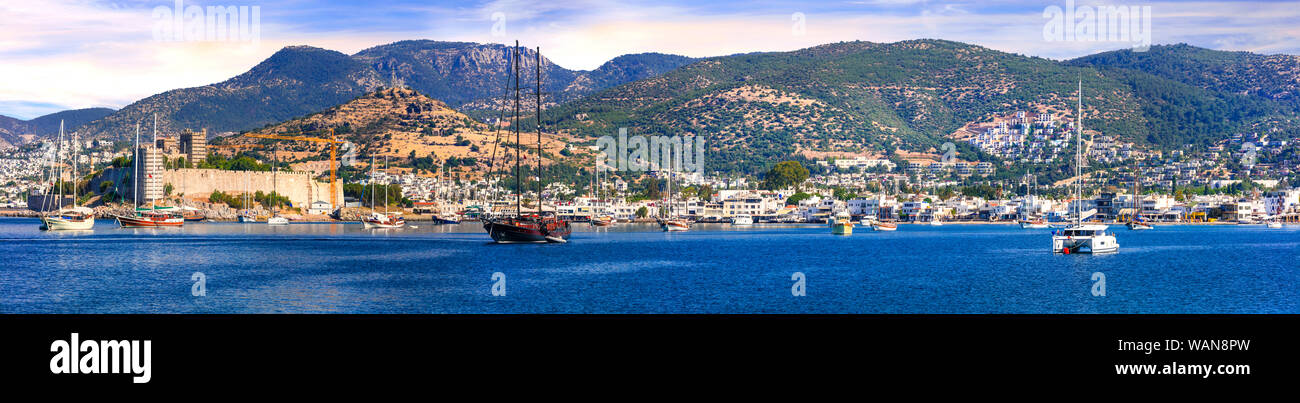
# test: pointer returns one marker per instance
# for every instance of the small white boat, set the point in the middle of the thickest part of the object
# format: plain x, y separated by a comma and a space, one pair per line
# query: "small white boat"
277, 220
675, 225
1090, 238
1274, 224
1033, 224
843, 224
884, 226
742, 219
383, 220
936, 223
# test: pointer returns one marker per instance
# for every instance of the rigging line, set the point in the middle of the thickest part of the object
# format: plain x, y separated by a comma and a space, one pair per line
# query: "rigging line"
505, 95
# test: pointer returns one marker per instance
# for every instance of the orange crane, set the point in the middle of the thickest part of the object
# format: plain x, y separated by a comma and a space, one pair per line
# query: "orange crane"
334, 145
235, 147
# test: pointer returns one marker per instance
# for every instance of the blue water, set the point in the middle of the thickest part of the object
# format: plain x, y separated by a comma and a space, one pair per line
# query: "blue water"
342, 268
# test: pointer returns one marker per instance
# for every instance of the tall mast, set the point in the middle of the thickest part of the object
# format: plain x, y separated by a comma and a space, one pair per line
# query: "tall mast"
538, 56
387, 182
135, 176
73, 151
59, 152
155, 129
372, 183
1078, 161
275, 175
519, 184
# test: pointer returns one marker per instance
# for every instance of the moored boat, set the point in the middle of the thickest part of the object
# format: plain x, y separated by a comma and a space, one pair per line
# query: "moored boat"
602, 221
383, 220
1138, 225
150, 219
1091, 238
76, 218
742, 219
843, 224
674, 225
1080, 237
884, 226
528, 229
1033, 224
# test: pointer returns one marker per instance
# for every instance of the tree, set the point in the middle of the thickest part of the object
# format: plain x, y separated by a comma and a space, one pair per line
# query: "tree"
946, 194
642, 212
785, 174
794, 199
844, 194
705, 192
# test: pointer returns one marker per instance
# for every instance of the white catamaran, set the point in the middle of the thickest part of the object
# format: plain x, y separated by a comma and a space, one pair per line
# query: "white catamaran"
1080, 238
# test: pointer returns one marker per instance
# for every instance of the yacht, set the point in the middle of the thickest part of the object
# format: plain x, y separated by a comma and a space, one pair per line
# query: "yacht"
1091, 238
75, 218
72, 218
884, 226
742, 219
1078, 237
674, 225
843, 224
383, 220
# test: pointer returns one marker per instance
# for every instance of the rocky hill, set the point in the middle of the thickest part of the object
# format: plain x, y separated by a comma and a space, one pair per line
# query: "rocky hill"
299, 80
408, 129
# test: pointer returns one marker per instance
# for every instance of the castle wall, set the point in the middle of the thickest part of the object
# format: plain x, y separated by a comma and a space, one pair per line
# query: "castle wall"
299, 187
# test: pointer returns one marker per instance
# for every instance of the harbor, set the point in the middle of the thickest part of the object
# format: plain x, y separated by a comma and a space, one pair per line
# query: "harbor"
637, 268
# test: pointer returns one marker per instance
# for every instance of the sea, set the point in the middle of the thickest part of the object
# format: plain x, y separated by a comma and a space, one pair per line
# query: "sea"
221, 267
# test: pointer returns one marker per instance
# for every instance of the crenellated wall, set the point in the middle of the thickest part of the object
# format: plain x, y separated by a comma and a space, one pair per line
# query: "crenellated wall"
299, 187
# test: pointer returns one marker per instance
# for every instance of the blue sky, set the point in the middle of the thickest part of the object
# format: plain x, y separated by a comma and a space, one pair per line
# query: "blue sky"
61, 54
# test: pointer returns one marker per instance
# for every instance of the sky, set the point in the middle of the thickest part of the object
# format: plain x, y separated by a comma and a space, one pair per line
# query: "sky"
67, 54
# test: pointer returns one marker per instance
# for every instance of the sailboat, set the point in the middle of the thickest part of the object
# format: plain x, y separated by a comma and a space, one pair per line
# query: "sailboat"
1136, 222
673, 223
276, 218
76, 217
377, 220
534, 228
153, 217
604, 219
1080, 238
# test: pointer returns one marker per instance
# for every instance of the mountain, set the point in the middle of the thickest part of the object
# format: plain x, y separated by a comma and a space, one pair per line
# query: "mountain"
72, 120
876, 98
299, 80
402, 126
1273, 77
292, 82
472, 76
47, 125
9, 130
